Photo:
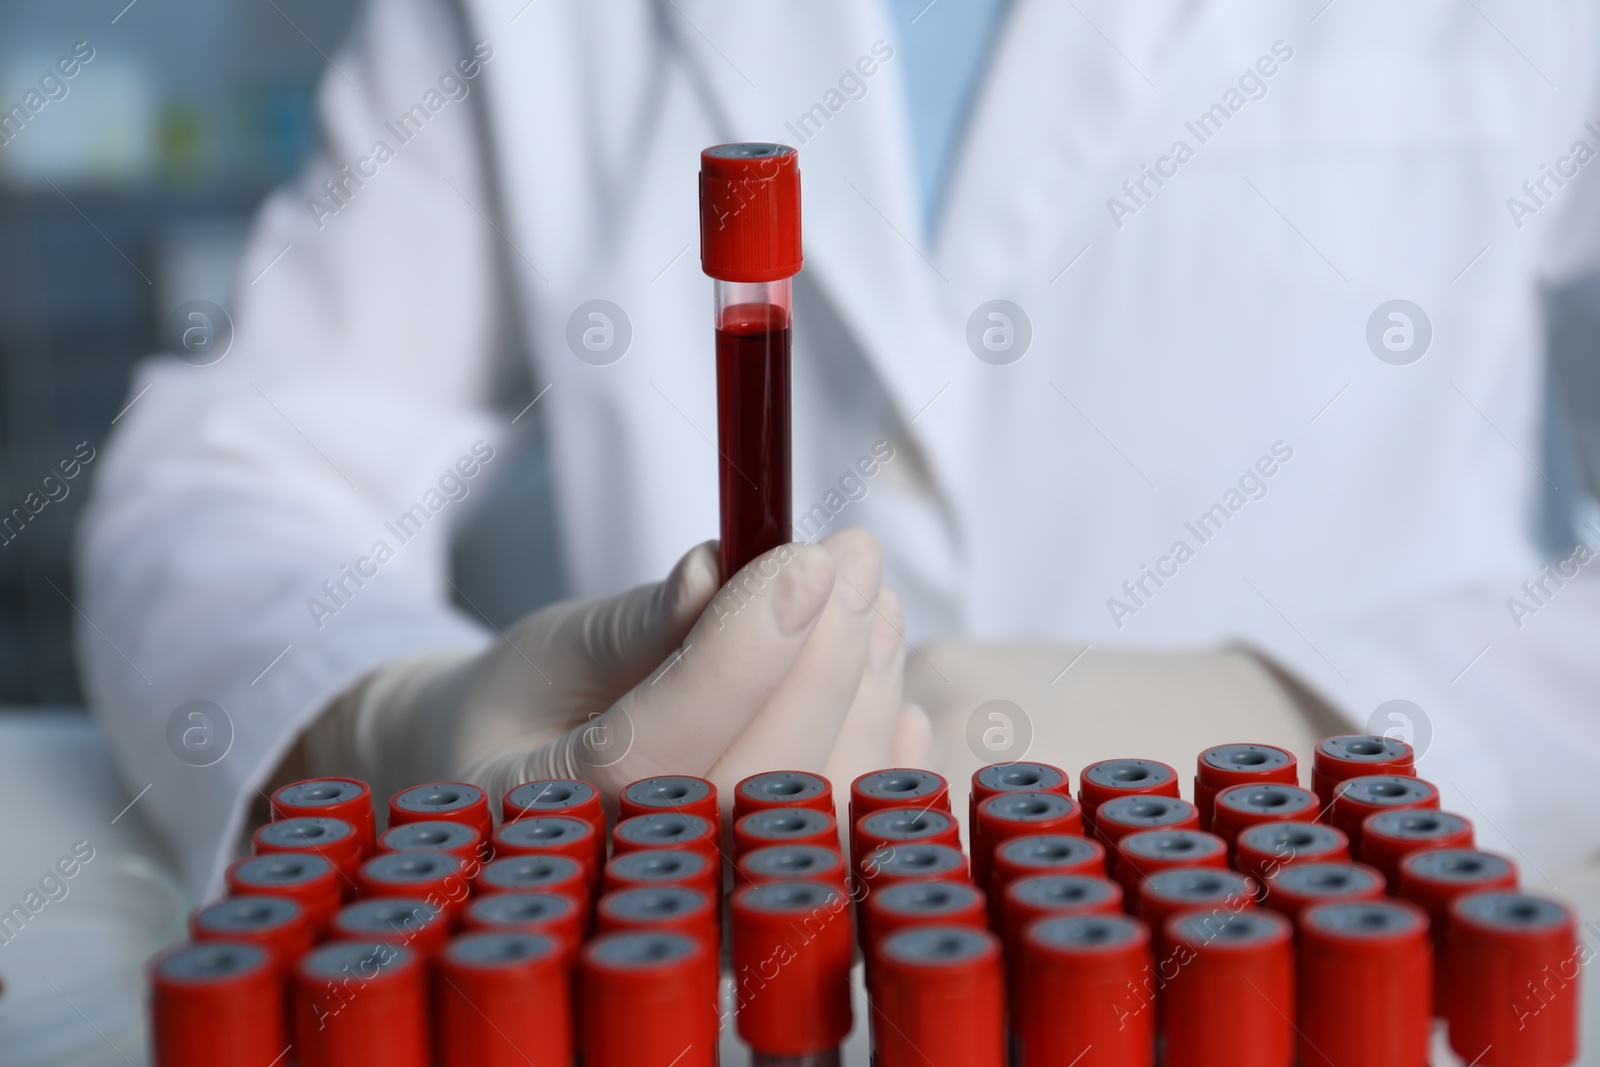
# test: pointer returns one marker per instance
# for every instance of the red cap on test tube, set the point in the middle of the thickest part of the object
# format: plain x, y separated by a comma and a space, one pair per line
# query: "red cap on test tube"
1226, 766
921, 904
1143, 854
455, 801
939, 999
999, 778
552, 835
1339, 759
1263, 850
670, 830
277, 924
1114, 778
1079, 993
1390, 836
217, 1002
1041, 895
435, 835
567, 797
647, 998
1236, 809
799, 863
1292, 890
1515, 1002
894, 864
1434, 880
1045, 854
408, 921
551, 914
898, 787
310, 881
1232, 1002
360, 1002
782, 789
504, 1000
890, 827
333, 798
1008, 815
784, 826
1354, 799
1365, 981
436, 877
651, 867
669, 909
1118, 818
335, 840
750, 212
671, 792
1190, 889
536, 873
802, 1010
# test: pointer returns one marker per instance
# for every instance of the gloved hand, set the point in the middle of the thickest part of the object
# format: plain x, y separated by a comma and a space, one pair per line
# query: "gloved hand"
796, 663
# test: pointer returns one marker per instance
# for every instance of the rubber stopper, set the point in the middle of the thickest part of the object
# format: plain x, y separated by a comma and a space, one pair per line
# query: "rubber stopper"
1263, 850
1371, 962
1041, 895
670, 830
1225, 766
898, 787
453, 801
1150, 852
894, 864
550, 914
310, 881
1190, 889
792, 950
349, 799
1045, 854
1240, 807
784, 826
1388, 837
1434, 880
889, 827
672, 792
659, 867
1008, 815
1114, 778
277, 924
999, 778
921, 904
1354, 799
801, 863
750, 212
567, 797
361, 1002
940, 1000
1347, 756
1516, 1002
335, 840
1082, 989
536, 873
1292, 890
669, 909
553, 835
408, 921
782, 789
436, 877
1231, 1003
1118, 818
217, 1002
504, 1000
646, 998
435, 835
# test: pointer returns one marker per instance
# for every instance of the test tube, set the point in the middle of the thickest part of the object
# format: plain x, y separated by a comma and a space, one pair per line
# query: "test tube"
920, 904
791, 963
455, 801
647, 998
408, 921
898, 787
1338, 759
1243, 806
277, 924
893, 864
1356, 798
1231, 1003
217, 1002
800, 863
1225, 766
1266, 848
939, 1001
1007, 815
567, 797
1517, 959
999, 778
671, 792
672, 830
1292, 890
670, 909
1040, 895
782, 789
1364, 985
437, 877
360, 1002
349, 799
551, 914
310, 881
1434, 880
536, 873
1082, 995
555, 835
1152, 851
436, 835
1169, 893
1114, 778
504, 1000
1045, 854
1118, 818
661, 866
784, 826
1390, 836
902, 826
750, 246
333, 839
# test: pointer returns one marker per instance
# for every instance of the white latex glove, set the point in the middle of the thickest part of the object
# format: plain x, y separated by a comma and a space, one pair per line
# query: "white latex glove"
795, 664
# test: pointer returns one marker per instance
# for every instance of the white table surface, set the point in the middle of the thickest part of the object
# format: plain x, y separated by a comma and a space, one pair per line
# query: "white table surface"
58, 788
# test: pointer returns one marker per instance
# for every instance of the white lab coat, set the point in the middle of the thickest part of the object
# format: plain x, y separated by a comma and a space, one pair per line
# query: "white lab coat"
1223, 318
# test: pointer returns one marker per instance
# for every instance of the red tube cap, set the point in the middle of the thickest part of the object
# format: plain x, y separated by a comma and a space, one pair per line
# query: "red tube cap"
670, 909
435, 835
1226, 766
1007, 815
1389, 837
671, 792
503, 1000
554, 796
536, 873
785, 826
891, 827
782, 789
898, 787
1045, 854
1355, 799
1040, 895
894, 864
803, 1008
1081, 987
349, 799
436, 877
219, 1002
310, 881
360, 1002
1517, 959
1262, 850
455, 801
551, 914
921, 904
554, 835
1114, 778
277, 924
1242, 806
1148, 853
1118, 818
661, 866
1338, 759
940, 999
1231, 1003
335, 840
799, 863
1365, 985
408, 921
750, 212
1292, 890
647, 998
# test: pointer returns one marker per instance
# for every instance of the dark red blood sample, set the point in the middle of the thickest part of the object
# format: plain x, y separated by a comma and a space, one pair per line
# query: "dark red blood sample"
753, 432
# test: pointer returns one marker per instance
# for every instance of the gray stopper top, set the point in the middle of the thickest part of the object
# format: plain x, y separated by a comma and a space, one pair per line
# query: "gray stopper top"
1416, 825
663, 864
1513, 912
1460, 865
528, 872
902, 824
781, 824
749, 150
1172, 844
554, 795
787, 897
213, 962
1128, 773
783, 786
403, 868
642, 950
928, 898
1046, 851
305, 832
432, 836
436, 797
663, 828
1019, 777
1084, 932
542, 831
1364, 748
1060, 890
241, 914
798, 861
1386, 790
363, 959
667, 791
492, 950
282, 869
1232, 929
938, 945
648, 903
1150, 811
317, 793
515, 909
1026, 807
1245, 757
901, 784
913, 860
1200, 884
1288, 839
1326, 879
1373, 919
387, 915
1268, 797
